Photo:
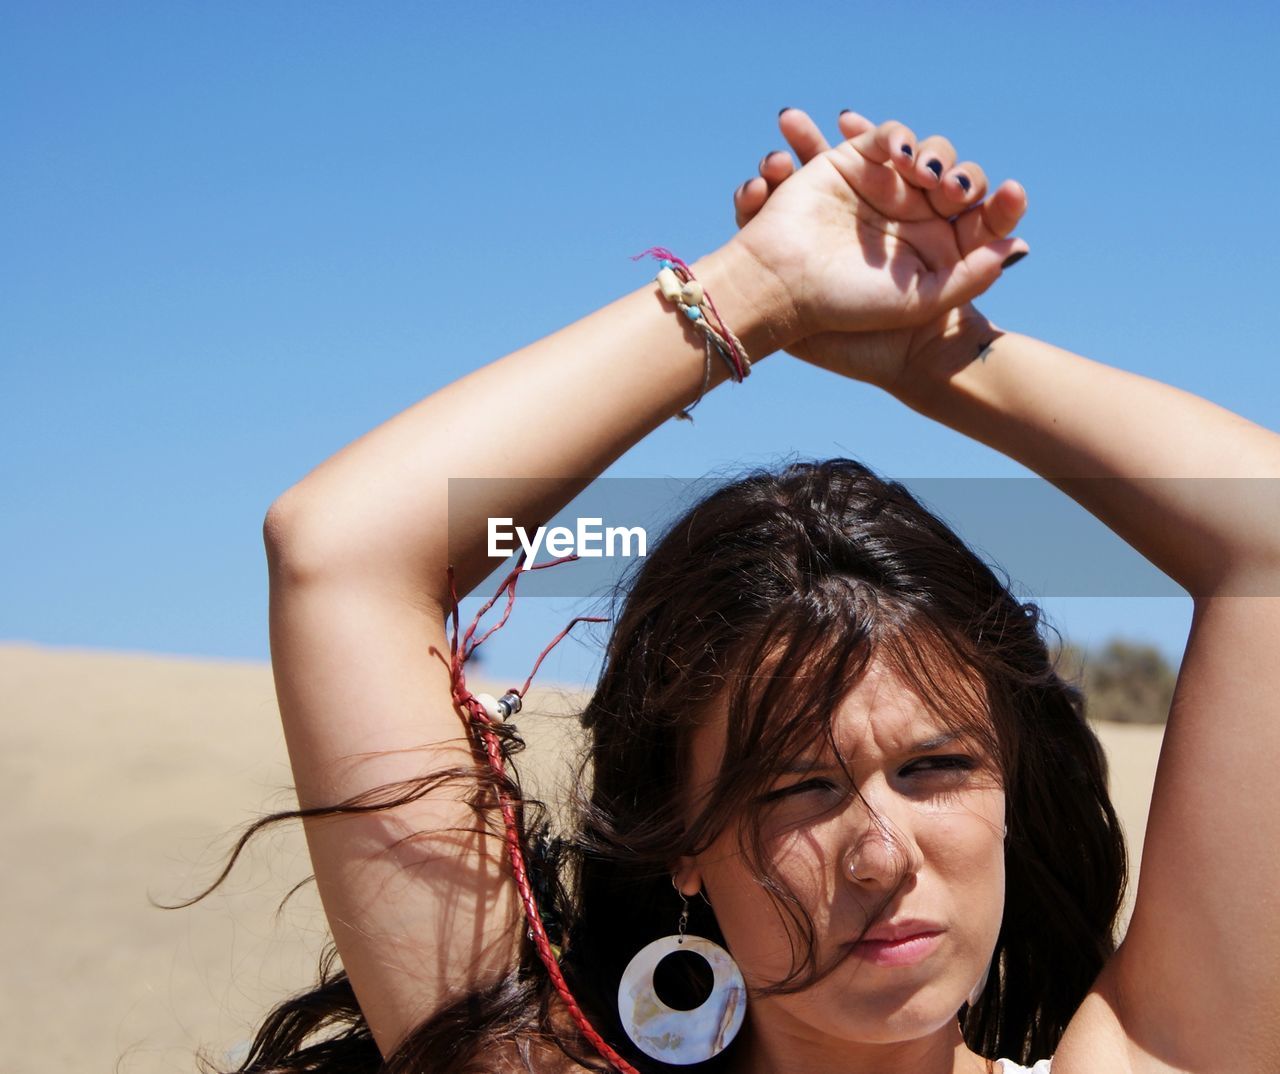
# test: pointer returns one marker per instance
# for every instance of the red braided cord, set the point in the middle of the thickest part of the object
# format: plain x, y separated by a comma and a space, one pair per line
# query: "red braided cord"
493, 751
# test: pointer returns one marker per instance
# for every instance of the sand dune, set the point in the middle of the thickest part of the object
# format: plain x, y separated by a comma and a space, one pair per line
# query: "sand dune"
129, 777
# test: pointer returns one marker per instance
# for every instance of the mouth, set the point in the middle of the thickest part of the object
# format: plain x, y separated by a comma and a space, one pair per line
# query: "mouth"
905, 951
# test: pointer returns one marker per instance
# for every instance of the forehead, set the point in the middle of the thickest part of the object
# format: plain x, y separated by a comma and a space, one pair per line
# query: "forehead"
880, 715
882, 710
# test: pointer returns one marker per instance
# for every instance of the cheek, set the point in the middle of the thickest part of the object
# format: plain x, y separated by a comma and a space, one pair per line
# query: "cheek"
964, 852
759, 931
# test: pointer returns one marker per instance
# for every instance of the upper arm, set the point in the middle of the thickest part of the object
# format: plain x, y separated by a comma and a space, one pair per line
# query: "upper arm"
1195, 985
419, 914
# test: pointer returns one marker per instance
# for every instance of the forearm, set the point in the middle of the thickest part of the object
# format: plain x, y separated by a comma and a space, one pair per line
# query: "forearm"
559, 410
1158, 465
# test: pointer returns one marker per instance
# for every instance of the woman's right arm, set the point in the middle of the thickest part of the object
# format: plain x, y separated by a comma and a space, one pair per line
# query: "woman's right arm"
358, 552
420, 904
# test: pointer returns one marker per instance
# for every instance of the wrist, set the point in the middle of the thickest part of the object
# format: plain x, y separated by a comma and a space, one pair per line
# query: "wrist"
749, 298
940, 354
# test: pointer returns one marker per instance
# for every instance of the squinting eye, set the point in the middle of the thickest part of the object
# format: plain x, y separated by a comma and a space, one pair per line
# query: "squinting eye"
940, 764
798, 788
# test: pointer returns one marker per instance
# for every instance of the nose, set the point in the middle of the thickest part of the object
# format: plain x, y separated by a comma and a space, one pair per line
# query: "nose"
881, 854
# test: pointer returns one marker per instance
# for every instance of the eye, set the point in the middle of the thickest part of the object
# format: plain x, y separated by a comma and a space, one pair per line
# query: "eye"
940, 764
797, 789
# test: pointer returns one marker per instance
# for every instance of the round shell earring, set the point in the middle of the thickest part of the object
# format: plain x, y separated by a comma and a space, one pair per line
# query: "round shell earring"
682, 1037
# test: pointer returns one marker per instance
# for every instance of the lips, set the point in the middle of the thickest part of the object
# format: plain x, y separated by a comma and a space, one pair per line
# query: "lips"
904, 942
904, 929
909, 946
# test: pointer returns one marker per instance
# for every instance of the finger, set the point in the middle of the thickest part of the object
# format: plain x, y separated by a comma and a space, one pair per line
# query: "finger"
851, 124
889, 141
808, 141
802, 134
862, 162
749, 199
994, 219
934, 157
969, 277
1002, 212
775, 167
960, 186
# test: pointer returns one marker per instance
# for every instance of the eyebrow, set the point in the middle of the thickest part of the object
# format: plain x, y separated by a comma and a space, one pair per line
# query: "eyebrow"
811, 764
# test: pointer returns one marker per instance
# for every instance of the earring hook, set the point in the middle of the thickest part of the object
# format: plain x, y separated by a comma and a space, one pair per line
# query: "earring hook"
683, 928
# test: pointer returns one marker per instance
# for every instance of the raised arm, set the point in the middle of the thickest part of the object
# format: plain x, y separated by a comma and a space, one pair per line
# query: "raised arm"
423, 912
1195, 985
358, 552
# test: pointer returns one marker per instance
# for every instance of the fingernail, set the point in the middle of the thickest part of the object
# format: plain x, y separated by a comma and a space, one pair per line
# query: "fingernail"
907, 152
845, 111
787, 109
934, 166
1013, 259
966, 184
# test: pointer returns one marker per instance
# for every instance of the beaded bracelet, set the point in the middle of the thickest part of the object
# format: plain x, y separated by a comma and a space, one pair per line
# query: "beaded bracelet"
678, 285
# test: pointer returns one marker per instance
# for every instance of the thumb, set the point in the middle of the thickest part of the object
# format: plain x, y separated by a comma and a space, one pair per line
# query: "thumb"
971, 276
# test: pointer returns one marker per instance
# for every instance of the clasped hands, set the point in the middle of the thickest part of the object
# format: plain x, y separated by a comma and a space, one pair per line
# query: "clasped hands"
880, 243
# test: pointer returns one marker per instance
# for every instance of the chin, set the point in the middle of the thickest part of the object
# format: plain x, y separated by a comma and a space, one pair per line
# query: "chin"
885, 1015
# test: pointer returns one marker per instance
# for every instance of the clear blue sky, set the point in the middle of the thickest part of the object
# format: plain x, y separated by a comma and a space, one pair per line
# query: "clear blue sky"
234, 237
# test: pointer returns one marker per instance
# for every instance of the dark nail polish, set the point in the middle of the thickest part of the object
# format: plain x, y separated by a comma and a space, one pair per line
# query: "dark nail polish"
934, 166
1013, 259
845, 111
787, 109
966, 184
907, 152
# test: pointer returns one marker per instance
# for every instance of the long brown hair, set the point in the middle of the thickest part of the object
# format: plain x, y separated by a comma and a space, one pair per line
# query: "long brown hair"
771, 596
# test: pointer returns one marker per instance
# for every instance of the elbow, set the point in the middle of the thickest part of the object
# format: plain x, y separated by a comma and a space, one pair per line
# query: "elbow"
309, 538
294, 551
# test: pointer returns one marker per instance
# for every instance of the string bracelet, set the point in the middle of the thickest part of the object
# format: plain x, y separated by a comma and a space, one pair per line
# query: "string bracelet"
679, 286
489, 718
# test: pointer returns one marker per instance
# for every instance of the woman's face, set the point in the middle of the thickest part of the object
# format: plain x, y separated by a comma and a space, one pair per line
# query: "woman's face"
943, 804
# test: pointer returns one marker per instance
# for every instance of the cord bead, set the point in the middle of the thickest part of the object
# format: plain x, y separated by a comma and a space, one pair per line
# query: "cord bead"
491, 706
670, 284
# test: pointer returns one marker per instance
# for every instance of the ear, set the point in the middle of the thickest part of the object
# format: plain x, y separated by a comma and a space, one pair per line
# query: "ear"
687, 877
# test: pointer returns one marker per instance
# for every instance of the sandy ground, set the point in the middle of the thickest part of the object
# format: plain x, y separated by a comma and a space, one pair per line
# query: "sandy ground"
129, 777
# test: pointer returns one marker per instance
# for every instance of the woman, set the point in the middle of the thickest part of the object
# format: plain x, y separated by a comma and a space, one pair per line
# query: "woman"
822, 720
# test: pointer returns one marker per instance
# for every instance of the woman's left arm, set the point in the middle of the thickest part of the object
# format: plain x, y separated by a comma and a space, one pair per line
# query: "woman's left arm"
1190, 485
1195, 985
